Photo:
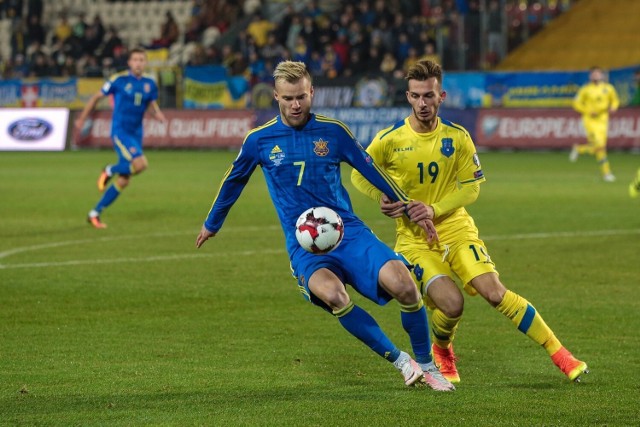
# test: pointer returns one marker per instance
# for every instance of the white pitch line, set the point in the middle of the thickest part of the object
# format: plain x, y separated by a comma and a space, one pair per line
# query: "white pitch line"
143, 259
10, 252
173, 257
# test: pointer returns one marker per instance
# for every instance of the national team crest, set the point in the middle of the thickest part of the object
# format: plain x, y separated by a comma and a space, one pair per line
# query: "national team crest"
276, 156
321, 147
447, 147
147, 88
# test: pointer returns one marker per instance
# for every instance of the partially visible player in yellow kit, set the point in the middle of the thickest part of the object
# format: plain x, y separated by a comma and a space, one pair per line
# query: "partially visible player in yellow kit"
435, 161
595, 100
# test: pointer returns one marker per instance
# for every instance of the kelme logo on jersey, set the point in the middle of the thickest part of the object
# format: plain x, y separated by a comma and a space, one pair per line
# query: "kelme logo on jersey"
276, 155
447, 147
321, 147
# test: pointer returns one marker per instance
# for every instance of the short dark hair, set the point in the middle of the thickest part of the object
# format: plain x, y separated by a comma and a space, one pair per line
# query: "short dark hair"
137, 50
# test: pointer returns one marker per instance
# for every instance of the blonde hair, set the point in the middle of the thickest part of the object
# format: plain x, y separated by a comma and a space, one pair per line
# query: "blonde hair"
291, 71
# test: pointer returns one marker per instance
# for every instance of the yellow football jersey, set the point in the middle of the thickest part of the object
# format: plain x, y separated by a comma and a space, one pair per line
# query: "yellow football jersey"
427, 166
596, 99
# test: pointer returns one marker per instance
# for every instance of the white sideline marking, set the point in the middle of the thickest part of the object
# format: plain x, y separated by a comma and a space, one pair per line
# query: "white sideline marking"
10, 252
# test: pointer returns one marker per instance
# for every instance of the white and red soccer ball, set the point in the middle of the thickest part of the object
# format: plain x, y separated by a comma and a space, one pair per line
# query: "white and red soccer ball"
319, 230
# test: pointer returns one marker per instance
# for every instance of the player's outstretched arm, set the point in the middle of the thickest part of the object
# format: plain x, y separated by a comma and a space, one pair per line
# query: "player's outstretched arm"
203, 236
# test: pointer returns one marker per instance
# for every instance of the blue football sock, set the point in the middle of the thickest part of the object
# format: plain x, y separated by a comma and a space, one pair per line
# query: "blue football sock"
414, 321
108, 197
364, 327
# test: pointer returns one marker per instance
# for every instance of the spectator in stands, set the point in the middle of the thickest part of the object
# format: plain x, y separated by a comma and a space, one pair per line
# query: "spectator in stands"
356, 66
341, 46
315, 64
212, 55
295, 27
260, 28
430, 54
374, 58
313, 10
365, 16
19, 39
40, 65
169, 32
68, 68
194, 30
111, 41
35, 8
75, 43
198, 56
272, 50
402, 47
256, 71
92, 39
411, 59
58, 57
389, 64
80, 26
120, 58
62, 29
13, 9
301, 51
91, 67
35, 30
382, 31
282, 28
20, 68
331, 66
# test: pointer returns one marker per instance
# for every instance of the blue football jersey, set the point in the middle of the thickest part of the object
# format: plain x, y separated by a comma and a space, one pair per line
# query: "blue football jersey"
302, 170
131, 96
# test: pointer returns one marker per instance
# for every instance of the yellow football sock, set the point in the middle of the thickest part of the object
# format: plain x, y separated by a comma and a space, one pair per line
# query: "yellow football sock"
528, 321
601, 158
443, 327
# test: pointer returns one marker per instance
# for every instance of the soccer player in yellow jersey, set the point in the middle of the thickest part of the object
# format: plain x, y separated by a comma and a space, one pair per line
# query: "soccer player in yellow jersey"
595, 100
435, 161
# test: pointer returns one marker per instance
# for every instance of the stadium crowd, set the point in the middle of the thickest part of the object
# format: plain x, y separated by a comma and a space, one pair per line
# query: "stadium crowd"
348, 39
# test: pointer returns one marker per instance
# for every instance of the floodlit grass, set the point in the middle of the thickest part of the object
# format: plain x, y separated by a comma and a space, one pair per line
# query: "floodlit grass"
133, 326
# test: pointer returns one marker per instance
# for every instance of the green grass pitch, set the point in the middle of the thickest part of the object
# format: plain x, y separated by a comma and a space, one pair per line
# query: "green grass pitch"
133, 326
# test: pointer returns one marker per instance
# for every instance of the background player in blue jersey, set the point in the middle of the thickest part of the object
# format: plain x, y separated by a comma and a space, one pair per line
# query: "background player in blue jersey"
134, 93
300, 155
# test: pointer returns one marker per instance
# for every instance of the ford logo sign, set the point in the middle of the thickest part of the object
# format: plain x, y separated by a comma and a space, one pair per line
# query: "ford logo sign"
30, 129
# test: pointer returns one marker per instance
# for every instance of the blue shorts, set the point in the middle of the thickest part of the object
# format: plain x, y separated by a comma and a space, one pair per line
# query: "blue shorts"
127, 146
356, 261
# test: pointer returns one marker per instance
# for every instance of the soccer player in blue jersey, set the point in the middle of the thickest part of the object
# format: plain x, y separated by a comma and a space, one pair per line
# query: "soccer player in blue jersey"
134, 93
300, 155
437, 162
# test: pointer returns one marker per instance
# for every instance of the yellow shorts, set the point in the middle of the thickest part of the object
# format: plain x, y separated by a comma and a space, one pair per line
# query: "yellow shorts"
461, 261
596, 133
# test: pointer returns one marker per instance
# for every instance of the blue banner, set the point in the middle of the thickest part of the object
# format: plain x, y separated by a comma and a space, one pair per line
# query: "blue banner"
533, 89
465, 90
10, 93
58, 93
